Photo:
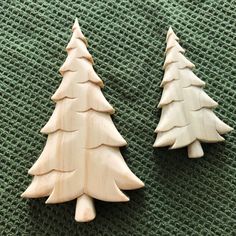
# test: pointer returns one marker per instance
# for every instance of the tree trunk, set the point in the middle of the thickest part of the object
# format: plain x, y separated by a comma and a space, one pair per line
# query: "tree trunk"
195, 150
85, 210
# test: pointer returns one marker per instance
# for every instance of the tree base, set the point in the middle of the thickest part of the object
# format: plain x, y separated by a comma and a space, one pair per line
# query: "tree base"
195, 150
85, 210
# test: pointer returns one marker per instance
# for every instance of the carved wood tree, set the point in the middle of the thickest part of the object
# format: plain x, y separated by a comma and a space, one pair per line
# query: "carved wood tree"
187, 117
81, 159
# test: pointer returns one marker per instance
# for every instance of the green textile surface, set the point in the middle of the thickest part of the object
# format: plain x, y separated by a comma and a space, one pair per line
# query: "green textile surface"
127, 41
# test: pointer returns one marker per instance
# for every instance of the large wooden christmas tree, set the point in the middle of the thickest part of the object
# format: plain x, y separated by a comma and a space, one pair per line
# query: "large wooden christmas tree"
81, 159
187, 117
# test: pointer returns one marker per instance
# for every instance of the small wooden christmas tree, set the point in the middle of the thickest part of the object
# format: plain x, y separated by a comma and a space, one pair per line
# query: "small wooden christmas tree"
81, 159
187, 117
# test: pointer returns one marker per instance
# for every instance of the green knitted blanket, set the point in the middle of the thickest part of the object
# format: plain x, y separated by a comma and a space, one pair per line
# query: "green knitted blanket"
127, 41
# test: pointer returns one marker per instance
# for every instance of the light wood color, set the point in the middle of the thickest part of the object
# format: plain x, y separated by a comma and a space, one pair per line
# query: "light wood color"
81, 159
187, 116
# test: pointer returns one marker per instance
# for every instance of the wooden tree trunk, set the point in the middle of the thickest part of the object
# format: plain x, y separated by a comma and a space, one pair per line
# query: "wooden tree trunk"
195, 150
85, 210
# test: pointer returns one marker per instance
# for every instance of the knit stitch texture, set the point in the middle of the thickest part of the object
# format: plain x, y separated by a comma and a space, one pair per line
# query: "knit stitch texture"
127, 41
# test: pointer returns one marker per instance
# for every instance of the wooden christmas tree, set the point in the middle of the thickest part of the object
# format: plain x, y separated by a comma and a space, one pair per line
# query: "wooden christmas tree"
187, 117
81, 159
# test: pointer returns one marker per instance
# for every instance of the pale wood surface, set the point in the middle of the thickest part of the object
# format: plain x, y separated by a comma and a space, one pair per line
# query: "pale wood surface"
85, 210
187, 117
81, 159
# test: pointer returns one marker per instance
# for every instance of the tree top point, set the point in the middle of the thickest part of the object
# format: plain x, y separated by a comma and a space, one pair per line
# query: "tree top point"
170, 30
171, 33
76, 28
76, 24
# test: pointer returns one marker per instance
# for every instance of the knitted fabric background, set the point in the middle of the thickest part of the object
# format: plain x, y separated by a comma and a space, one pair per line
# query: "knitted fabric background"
127, 40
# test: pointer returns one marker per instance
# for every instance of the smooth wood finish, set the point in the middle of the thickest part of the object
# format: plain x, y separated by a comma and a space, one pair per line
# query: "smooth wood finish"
195, 150
187, 117
81, 159
85, 210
